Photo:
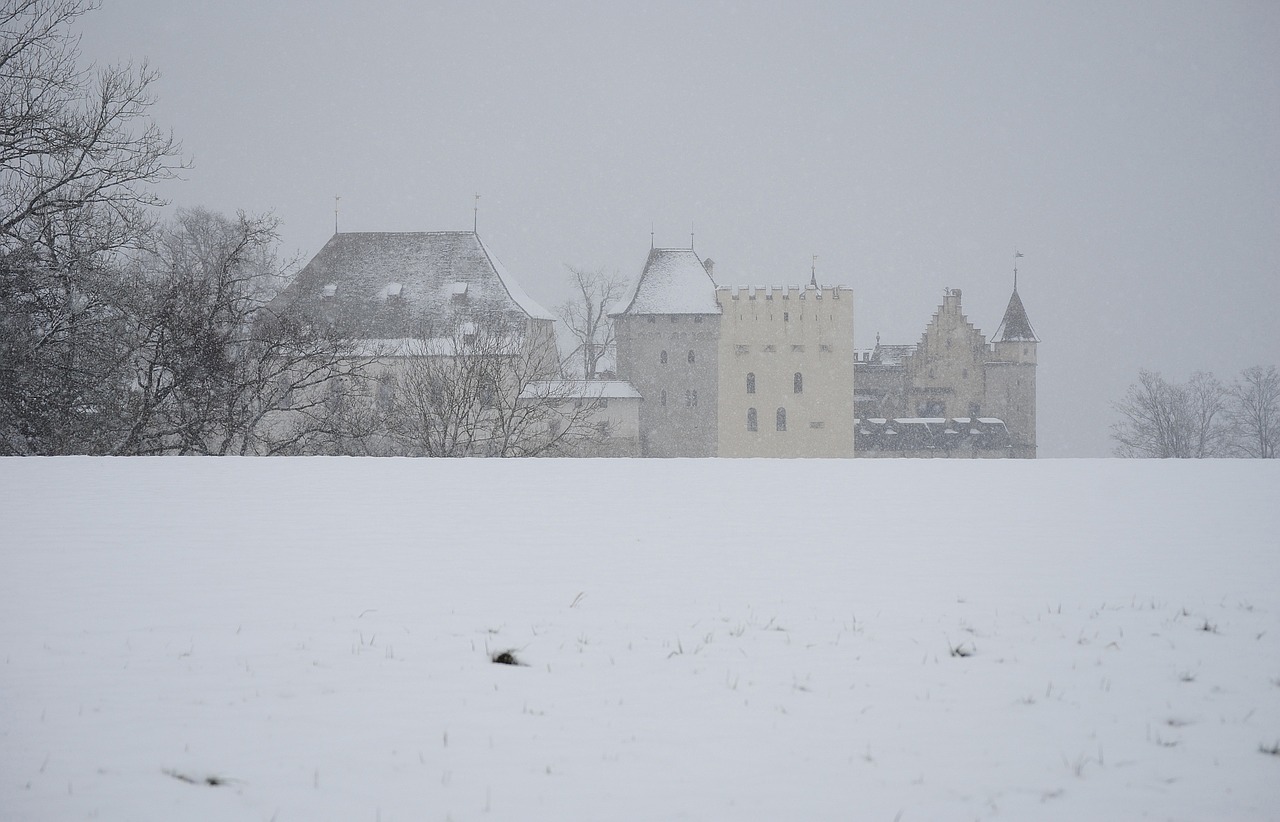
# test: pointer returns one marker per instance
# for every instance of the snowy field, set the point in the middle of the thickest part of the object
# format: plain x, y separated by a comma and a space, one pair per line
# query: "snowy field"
306, 639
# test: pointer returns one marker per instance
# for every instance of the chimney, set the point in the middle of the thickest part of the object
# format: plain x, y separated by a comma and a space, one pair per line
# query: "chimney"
710, 265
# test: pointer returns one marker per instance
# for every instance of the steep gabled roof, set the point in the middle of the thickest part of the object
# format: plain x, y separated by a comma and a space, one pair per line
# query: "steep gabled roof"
1015, 327
674, 281
388, 284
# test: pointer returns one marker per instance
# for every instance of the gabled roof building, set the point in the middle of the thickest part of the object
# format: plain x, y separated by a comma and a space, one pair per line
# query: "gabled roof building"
395, 285
952, 393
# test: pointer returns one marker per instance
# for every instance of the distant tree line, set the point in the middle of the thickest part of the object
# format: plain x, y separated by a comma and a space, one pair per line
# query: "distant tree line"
121, 333
1202, 417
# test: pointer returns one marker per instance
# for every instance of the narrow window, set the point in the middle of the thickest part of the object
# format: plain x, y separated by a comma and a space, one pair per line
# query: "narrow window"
662, 358
786, 316
691, 356
695, 399
782, 419
751, 383
751, 420
797, 383
662, 400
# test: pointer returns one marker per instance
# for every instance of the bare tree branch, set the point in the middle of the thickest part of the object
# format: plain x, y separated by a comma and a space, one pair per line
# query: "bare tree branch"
586, 315
1254, 413
1162, 419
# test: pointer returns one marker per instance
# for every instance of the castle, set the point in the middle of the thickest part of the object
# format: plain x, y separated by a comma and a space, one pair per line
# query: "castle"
770, 371
702, 369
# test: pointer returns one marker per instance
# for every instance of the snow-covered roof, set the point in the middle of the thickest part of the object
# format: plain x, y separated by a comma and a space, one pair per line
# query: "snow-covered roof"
526, 303
581, 389
434, 274
435, 346
889, 355
674, 281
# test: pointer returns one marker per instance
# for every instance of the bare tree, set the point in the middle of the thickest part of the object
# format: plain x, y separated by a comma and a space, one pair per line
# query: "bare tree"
586, 315
1162, 419
486, 389
1254, 412
212, 368
77, 158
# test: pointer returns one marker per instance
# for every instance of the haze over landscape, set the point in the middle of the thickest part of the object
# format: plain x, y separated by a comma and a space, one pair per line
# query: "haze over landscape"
948, 628
1130, 152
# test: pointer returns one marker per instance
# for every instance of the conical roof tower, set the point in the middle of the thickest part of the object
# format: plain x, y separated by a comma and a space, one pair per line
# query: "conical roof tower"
1015, 327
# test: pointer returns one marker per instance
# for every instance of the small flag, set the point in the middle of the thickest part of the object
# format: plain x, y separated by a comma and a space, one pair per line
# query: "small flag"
1017, 253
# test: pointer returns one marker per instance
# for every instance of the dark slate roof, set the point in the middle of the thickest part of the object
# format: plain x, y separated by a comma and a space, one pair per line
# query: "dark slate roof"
674, 281
393, 284
1015, 326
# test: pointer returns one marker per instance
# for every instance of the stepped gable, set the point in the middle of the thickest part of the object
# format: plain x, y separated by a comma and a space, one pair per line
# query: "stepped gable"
1015, 327
674, 281
386, 284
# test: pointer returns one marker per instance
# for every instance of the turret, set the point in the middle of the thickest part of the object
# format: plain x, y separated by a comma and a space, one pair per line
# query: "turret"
1011, 376
1015, 339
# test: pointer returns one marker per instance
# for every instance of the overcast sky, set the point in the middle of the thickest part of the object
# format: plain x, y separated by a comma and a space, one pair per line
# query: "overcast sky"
1131, 152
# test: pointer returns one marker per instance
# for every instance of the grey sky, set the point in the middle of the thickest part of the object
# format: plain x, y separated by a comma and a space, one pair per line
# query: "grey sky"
1130, 150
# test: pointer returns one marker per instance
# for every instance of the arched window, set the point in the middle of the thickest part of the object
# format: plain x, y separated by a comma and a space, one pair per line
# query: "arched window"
782, 419
751, 385
751, 420
690, 356
662, 358
797, 383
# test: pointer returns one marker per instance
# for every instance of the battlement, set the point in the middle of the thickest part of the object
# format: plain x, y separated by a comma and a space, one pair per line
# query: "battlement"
782, 292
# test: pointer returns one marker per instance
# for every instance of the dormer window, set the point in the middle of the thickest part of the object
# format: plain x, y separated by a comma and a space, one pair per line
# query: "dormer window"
393, 291
458, 292
330, 290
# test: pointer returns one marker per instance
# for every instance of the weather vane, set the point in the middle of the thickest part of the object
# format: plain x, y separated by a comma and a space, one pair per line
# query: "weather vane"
1016, 255
336, 198
475, 216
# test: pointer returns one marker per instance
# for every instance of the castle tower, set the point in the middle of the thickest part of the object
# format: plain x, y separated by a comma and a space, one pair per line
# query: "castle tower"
1011, 377
786, 371
668, 330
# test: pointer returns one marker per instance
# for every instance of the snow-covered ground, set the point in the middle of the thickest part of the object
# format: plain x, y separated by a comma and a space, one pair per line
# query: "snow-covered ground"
701, 640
